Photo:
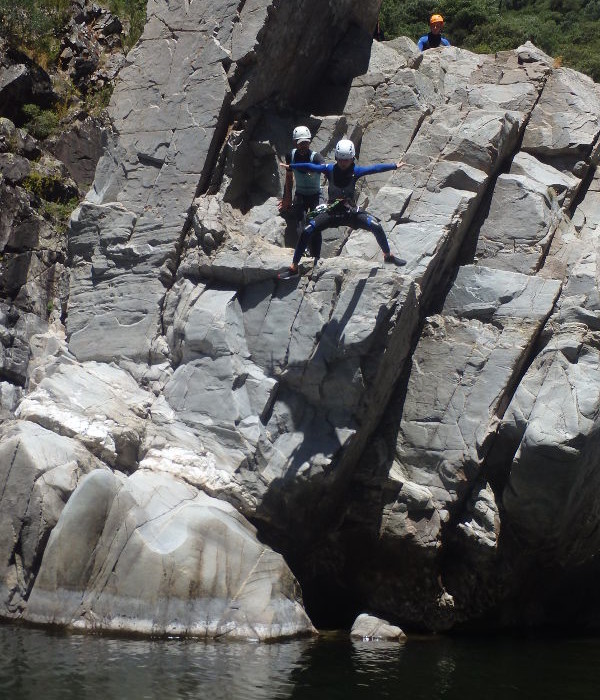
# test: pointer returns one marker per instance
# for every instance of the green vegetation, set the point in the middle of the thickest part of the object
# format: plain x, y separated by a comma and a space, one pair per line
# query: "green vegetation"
132, 11
96, 101
44, 186
569, 30
40, 123
59, 213
53, 202
34, 26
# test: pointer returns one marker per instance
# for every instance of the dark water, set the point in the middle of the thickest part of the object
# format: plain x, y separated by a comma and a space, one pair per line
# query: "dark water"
36, 664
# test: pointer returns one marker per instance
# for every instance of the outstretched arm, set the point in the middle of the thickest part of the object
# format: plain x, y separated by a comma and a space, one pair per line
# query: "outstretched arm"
362, 170
313, 167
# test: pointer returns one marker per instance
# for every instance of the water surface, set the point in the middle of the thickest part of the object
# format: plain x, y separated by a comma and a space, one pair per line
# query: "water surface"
45, 666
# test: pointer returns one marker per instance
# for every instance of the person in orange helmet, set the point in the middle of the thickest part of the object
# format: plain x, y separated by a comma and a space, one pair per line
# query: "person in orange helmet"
434, 38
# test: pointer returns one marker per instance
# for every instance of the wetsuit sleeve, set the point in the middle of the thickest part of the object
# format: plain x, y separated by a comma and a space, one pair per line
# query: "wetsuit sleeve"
422, 43
361, 171
314, 167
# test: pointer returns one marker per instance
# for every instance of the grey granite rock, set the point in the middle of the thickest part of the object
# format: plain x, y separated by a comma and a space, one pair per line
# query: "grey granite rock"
38, 472
151, 554
402, 435
371, 628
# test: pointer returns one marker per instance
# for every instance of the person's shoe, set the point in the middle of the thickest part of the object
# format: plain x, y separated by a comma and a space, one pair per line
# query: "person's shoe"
393, 260
290, 273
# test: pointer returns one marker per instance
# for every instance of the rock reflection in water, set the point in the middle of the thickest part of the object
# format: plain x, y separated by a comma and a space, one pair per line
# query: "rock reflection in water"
35, 664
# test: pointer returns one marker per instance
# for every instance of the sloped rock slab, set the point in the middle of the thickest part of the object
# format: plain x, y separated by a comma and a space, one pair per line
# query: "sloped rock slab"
149, 554
38, 472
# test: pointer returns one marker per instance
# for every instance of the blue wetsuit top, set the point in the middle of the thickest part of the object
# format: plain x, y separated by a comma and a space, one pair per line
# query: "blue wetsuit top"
432, 41
342, 183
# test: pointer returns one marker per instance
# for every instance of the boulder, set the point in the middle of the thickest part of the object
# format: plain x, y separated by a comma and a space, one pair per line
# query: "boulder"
369, 628
22, 82
38, 472
150, 554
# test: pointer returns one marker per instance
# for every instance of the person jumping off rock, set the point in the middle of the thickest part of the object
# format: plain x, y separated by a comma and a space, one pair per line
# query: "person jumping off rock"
341, 209
434, 38
307, 194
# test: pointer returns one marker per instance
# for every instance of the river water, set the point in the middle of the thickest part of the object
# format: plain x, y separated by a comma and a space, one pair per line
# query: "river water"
46, 666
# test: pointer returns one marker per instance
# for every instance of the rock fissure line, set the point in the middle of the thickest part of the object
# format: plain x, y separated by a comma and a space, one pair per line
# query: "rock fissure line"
8, 472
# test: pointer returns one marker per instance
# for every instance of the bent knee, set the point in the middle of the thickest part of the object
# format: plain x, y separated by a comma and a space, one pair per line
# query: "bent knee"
310, 227
375, 226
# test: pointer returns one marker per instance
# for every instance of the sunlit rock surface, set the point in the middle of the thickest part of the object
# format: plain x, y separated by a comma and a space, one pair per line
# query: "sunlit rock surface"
188, 440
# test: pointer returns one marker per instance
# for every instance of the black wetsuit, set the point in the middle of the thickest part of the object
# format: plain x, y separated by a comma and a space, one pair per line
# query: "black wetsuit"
341, 210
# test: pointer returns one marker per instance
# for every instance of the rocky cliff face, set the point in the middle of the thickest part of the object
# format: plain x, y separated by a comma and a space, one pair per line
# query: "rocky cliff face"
191, 437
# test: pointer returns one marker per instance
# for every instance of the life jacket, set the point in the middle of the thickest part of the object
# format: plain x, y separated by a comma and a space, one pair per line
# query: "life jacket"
307, 183
341, 184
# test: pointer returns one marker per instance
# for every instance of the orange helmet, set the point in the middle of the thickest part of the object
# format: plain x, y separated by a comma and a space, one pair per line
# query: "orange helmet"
435, 19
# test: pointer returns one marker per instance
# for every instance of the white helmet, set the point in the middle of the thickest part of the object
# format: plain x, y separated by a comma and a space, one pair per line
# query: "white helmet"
301, 133
344, 150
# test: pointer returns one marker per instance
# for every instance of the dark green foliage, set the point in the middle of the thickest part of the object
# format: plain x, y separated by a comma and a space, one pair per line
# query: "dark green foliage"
40, 123
132, 10
34, 24
569, 30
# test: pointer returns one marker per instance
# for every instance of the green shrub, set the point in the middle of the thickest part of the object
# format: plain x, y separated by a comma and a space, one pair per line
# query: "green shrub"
563, 28
40, 123
41, 185
59, 212
53, 204
34, 25
134, 11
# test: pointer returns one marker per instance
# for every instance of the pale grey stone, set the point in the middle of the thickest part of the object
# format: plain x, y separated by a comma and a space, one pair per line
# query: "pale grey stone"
565, 121
38, 472
499, 297
371, 628
554, 412
326, 403
151, 554
523, 216
95, 403
561, 182
483, 527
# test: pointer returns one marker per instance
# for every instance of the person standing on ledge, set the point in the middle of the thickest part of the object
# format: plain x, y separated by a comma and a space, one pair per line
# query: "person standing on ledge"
341, 209
434, 38
307, 194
